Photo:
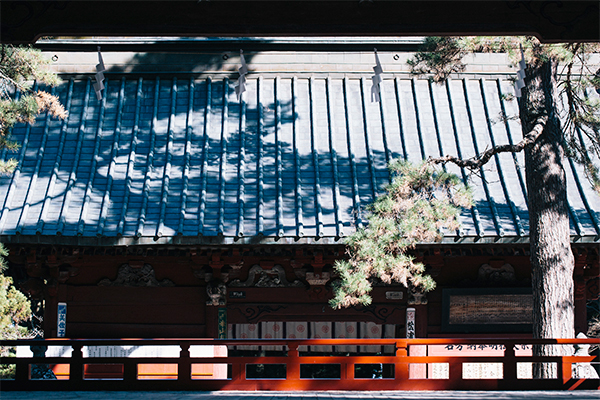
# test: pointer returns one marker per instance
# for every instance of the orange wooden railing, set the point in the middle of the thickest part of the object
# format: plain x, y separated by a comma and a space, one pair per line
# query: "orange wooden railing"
402, 369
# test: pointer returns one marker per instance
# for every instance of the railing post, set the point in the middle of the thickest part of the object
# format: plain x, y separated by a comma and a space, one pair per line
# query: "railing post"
509, 367
347, 371
22, 372
76, 372
293, 364
129, 371
401, 366
566, 369
184, 366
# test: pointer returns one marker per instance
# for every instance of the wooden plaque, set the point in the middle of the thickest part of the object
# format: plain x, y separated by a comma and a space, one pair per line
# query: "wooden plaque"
487, 310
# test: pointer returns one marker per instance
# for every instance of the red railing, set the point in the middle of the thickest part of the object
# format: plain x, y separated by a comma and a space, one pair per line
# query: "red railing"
294, 365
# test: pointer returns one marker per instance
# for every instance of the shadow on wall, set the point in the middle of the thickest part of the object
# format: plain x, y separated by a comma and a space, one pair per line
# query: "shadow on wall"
206, 57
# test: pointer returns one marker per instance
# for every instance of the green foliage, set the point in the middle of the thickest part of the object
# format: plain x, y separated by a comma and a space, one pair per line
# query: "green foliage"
20, 67
418, 205
14, 309
439, 56
14, 305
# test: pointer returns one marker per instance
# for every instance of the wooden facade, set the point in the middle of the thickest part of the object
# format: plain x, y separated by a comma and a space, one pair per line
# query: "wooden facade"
171, 209
114, 293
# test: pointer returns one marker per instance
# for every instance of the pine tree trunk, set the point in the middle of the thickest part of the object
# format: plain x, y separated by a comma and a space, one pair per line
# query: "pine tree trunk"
552, 260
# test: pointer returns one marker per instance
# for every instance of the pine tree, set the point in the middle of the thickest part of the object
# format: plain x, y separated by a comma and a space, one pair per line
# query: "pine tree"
14, 310
559, 119
419, 203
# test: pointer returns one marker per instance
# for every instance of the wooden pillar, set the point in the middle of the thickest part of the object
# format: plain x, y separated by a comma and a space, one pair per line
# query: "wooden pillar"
212, 330
50, 313
580, 294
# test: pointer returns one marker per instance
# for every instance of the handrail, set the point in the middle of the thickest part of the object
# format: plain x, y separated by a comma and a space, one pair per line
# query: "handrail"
408, 367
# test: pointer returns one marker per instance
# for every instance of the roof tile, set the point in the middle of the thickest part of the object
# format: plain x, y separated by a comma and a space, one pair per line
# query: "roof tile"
299, 157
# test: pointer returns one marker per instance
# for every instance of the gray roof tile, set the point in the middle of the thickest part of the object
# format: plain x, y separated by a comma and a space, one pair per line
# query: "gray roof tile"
300, 157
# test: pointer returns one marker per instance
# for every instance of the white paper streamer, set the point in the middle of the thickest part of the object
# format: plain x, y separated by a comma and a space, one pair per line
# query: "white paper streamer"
240, 88
99, 85
376, 87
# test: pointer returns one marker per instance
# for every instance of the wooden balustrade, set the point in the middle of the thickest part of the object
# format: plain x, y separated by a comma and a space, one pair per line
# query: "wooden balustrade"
296, 368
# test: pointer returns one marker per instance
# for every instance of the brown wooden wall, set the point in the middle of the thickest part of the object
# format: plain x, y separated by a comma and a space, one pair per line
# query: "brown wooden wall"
99, 306
141, 312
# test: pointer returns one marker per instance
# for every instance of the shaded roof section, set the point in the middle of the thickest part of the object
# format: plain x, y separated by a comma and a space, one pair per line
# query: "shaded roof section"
182, 161
551, 21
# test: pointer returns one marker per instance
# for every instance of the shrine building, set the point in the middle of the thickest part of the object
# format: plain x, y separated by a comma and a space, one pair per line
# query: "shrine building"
169, 208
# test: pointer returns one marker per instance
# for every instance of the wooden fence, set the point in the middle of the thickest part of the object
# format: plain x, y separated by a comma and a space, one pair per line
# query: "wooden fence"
294, 365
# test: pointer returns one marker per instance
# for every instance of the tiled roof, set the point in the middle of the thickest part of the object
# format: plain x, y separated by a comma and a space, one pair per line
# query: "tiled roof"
180, 160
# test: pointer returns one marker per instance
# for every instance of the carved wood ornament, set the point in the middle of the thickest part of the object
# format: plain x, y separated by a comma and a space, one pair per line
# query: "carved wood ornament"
275, 277
136, 277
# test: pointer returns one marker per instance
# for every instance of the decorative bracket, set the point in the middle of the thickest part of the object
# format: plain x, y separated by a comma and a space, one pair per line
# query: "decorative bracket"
275, 277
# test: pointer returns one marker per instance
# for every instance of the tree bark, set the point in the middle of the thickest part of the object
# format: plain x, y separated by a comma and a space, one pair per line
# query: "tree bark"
552, 260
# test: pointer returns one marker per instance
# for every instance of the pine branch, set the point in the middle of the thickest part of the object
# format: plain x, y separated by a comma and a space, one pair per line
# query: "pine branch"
480, 160
13, 82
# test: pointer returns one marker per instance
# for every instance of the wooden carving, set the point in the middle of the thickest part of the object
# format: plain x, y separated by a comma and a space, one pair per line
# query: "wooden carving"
217, 293
502, 275
275, 277
136, 277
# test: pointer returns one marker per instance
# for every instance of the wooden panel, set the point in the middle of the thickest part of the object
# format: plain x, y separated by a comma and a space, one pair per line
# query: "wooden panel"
136, 304
251, 313
112, 312
135, 295
487, 310
108, 331
136, 313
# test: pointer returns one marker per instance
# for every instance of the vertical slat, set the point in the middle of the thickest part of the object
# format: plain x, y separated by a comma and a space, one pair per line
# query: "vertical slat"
12, 187
131, 160
490, 200
575, 221
73, 175
355, 193
515, 215
400, 119
278, 160
259, 162
149, 162
315, 159
95, 158
370, 160
164, 198
242, 170
334, 163
299, 213
386, 148
223, 164
111, 167
474, 210
413, 88
591, 213
510, 141
435, 121
59, 154
189, 129
205, 144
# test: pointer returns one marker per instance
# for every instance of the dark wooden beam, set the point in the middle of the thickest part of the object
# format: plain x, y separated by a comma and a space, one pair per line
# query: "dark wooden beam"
551, 21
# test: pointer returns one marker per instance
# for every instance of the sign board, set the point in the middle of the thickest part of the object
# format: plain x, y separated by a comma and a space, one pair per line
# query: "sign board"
394, 295
487, 310
61, 322
222, 323
410, 323
237, 294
